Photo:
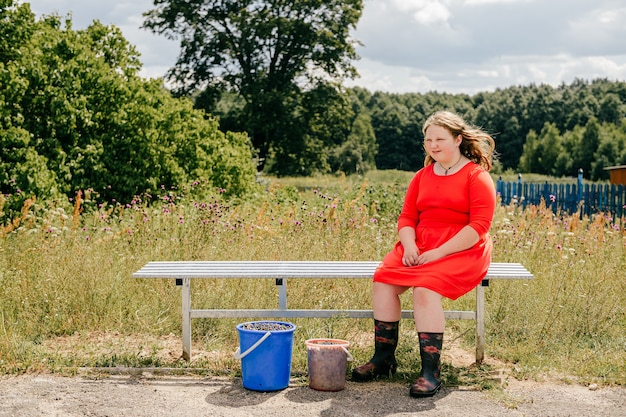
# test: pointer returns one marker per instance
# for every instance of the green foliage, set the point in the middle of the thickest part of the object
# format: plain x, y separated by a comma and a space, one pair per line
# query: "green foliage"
16, 27
74, 115
356, 154
397, 134
590, 148
511, 115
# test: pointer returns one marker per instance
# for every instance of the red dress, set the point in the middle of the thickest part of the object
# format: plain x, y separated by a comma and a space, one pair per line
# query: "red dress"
438, 207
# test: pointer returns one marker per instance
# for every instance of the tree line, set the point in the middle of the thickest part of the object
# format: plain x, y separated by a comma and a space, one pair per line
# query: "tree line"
257, 87
538, 128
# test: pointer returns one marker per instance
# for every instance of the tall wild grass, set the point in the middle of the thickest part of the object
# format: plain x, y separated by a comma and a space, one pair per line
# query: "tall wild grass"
68, 299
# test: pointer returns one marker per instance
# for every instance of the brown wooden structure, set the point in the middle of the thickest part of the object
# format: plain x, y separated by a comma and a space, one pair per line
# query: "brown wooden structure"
618, 174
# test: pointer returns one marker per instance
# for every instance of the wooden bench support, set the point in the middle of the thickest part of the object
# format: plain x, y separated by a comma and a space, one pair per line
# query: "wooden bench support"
184, 271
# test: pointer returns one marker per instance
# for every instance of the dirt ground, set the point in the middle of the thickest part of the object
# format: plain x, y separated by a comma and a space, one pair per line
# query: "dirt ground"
156, 392
149, 395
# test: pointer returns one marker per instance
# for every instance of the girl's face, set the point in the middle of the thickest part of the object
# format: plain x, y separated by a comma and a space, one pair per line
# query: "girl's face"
441, 145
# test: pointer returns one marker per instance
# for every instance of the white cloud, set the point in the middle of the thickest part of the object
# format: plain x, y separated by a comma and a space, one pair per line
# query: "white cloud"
481, 2
425, 45
433, 12
424, 11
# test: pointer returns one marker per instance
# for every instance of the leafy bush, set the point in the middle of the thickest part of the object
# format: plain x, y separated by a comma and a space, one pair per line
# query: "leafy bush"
76, 116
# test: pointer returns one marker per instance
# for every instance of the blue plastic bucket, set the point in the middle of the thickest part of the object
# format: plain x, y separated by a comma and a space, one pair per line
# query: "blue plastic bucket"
265, 349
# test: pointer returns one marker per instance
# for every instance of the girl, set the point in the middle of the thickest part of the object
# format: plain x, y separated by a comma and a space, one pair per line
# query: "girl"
444, 248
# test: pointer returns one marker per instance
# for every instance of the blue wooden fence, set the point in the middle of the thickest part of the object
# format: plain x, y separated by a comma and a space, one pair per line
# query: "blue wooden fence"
585, 199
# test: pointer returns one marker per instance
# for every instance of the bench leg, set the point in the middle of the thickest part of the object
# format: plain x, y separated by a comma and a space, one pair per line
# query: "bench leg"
186, 307
480, 323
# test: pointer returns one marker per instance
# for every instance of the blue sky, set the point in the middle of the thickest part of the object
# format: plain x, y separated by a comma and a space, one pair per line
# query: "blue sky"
453, 46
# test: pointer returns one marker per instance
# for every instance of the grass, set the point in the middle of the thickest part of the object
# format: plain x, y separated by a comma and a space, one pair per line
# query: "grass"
68, 299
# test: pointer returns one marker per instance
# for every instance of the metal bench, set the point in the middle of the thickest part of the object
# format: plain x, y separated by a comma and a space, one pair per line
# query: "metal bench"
184, 271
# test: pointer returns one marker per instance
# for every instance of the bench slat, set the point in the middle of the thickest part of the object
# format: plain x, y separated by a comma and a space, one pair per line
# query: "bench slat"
292, 269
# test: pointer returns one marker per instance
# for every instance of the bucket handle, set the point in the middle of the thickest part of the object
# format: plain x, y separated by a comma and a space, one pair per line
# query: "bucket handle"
350, 358
251, 348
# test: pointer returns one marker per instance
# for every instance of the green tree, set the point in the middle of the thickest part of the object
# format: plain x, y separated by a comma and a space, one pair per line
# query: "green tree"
604, 157
542, 151
357, 153
501, 114
550, 149
589, 144
268, 52
76, 116
611, 109
529, 160
16, 27
399, 146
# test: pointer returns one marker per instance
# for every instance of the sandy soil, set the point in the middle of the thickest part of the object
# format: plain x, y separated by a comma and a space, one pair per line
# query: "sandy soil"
148, 395
157, 392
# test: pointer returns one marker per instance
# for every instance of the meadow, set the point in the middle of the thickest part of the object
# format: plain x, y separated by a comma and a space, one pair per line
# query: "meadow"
68, 300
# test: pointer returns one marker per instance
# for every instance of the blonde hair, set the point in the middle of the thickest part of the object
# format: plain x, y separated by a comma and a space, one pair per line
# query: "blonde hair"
477, 145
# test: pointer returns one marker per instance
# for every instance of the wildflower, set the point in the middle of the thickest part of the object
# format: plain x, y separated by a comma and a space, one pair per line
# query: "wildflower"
559, 247
552, 198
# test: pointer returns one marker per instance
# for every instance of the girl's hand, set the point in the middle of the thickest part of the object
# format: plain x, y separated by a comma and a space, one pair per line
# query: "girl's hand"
411, 256
429, 256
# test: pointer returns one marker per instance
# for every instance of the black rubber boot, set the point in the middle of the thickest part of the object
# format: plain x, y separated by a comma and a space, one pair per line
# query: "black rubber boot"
383, 363
429, 381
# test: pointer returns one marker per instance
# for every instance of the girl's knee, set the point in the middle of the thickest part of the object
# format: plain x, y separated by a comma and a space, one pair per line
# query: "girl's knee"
381, 288
424, 296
